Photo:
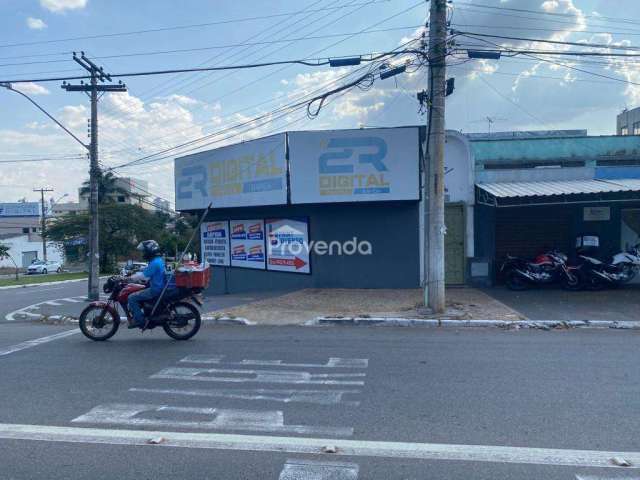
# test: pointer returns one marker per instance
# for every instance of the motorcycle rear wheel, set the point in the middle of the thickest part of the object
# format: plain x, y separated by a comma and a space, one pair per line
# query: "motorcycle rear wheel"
515, 281
98, 323
184, 321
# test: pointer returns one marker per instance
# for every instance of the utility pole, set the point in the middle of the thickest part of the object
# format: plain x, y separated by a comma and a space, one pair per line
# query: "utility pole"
43, 218
434, 285
92, 89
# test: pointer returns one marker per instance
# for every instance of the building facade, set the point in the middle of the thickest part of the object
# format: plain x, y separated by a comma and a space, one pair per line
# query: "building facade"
133, 192
325, 209
537, 194
21, 218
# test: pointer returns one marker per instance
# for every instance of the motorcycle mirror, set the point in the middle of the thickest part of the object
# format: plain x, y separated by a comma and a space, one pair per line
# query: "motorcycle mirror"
129, 263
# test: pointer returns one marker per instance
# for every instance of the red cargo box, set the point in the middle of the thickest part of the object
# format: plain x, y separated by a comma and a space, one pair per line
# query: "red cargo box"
193, 278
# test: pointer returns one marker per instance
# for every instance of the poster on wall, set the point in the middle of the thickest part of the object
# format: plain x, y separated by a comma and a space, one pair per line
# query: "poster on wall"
288, 245
354, 165
214, 242
247, 244
247, 174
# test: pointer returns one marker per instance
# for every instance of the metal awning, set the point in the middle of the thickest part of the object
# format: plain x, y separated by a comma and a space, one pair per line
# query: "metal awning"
501, 194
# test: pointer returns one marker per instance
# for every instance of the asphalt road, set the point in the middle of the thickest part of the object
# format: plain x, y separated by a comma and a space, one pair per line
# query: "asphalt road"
26, 303
237, 393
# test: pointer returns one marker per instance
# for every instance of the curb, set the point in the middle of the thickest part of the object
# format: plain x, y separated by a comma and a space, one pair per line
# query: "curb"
58, 282
228, 321
506, 324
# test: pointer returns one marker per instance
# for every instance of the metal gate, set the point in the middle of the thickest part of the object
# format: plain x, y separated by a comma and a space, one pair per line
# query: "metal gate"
454, 244
28, 257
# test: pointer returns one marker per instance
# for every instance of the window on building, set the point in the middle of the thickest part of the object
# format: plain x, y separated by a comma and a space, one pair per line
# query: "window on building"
34, 229
624, 130
636, 128
121, 199
25, 230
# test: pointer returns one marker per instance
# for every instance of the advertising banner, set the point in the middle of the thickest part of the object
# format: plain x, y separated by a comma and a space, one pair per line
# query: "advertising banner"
354, 165
214, 243
247, 174
247, 244
288, 245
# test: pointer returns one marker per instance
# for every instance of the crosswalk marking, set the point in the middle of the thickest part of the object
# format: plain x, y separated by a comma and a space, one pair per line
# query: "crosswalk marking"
315, 470
259, 376
320, 397
220, 419
334, 362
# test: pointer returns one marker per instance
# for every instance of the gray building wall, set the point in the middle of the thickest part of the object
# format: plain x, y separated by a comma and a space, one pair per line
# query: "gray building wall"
628, 118
390, 227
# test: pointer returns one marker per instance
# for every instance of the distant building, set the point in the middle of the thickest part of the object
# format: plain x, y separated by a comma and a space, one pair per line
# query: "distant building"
526, 134
62, 209
628, 122
161, 205
24, 249
21, 218
134, 192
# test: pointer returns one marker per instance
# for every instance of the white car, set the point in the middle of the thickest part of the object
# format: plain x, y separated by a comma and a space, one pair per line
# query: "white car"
40, 266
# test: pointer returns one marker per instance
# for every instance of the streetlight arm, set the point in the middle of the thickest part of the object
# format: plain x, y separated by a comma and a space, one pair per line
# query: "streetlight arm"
9, 87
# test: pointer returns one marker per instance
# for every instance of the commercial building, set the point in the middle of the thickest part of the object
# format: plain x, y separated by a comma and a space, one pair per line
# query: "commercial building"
23, 249
335, 208
534, 194
130, 191
21, 218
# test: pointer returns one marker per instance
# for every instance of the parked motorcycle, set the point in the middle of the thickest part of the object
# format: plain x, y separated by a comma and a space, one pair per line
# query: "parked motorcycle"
621, 269
547, 268
176, 312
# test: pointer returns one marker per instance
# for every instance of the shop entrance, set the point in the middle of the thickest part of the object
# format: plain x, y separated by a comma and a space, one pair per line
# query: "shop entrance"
630, 230
454, 244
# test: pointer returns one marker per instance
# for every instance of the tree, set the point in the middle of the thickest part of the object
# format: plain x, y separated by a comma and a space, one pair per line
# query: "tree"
122, 227
4, 253
107, 188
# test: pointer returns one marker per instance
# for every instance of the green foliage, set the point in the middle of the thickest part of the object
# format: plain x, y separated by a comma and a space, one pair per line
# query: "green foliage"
4, 251
122, 227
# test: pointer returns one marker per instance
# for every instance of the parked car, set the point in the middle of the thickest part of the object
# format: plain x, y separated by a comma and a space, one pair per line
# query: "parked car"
132, 267
40, 266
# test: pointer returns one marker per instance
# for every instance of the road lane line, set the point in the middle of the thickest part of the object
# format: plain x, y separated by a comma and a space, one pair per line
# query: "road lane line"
220, 419
34, 343
319, 397
332, 363
258, 376
314, 446
314, 470
598, 477
52, 303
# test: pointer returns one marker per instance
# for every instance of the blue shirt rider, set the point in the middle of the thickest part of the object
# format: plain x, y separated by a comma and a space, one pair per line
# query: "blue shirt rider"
154, 274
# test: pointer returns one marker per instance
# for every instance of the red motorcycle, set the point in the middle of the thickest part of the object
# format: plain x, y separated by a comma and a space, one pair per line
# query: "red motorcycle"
175, 313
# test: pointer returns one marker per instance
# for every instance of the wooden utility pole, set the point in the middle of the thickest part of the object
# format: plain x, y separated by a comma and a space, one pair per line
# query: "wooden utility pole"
97, 73
43, 220
434, 286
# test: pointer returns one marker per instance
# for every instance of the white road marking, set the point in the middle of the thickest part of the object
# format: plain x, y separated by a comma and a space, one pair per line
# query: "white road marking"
73, 299
221, 419
320, 397
332, 363
52, 302
313, 446
314, 470
258, 376
26, 311
598, 477
36, 342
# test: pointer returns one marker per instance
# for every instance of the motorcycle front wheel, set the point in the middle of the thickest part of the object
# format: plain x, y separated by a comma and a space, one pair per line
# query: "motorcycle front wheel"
184, 321
573, 282
98, 323
515, 281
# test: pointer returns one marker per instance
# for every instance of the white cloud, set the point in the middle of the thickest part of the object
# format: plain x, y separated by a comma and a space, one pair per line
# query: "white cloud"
59, 6
35, 23
31, 88
550, 5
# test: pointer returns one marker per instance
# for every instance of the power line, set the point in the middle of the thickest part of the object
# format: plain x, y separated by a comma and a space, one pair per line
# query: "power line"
176, 27
198, 49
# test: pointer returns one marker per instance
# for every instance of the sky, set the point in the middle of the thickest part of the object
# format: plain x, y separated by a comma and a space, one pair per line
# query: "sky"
37, 38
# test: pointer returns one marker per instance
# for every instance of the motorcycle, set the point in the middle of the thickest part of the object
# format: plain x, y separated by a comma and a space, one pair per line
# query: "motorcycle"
622, 268
175, 313
547, 268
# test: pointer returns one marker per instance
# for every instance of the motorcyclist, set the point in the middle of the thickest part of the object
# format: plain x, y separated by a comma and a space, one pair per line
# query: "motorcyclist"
154, 274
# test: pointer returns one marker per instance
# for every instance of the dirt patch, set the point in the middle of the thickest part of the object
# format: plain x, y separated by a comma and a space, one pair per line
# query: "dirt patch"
301, 306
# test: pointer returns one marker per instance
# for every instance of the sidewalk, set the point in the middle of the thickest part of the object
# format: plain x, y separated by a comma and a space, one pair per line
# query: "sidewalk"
305, 305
